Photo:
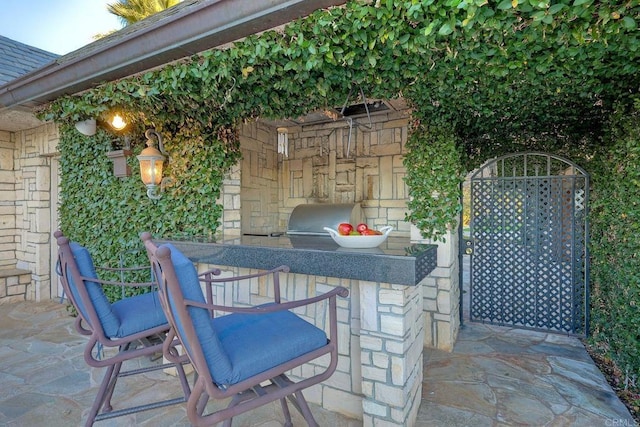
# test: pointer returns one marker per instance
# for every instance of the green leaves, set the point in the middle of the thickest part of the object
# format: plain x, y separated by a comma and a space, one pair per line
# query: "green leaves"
433, 177
629, 23
496, 76
483, 79
615, 241
505, 4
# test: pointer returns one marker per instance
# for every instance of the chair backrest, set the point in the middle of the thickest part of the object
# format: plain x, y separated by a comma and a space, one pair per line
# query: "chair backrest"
124, 318
76, 271
178, 281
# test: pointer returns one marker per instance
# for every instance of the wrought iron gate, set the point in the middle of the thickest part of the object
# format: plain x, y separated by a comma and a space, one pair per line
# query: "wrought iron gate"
528, 243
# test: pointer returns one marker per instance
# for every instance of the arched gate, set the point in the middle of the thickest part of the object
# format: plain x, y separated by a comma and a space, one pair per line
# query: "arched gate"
527, 238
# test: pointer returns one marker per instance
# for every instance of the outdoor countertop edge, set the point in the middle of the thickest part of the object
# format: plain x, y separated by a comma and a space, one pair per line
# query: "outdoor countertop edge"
406, 266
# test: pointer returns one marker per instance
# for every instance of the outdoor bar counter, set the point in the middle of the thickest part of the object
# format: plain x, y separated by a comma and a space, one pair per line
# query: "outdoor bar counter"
380, 324
395, 261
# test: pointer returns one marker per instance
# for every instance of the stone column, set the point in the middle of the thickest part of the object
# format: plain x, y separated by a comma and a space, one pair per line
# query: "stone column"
441, 293
8, 236
231, 202
391, 341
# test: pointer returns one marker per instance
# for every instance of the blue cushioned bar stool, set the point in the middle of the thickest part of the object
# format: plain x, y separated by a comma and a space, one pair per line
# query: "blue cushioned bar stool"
136, 326
242, 352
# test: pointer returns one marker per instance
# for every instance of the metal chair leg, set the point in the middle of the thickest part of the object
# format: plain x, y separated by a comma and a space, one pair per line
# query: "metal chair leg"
303, 407
287, 414
108, 381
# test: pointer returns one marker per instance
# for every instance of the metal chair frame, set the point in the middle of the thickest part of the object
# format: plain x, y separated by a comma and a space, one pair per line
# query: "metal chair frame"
252, 392
147, 343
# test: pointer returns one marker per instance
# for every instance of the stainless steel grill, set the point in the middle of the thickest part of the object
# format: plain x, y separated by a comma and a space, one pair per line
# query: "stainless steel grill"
310, 219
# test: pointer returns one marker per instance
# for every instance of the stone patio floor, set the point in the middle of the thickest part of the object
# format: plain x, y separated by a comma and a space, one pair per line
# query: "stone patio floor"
495, 376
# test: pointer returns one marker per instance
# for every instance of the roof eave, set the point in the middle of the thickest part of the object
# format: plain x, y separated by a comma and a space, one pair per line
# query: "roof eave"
201, 26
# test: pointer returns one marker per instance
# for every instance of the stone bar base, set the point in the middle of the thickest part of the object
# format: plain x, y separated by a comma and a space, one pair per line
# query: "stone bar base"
441, 293
391, 339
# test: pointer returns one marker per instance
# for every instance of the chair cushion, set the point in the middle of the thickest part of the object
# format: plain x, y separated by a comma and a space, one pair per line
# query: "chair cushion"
238, 346
122, 318
137, 314
210, 346
257, 342
108, 319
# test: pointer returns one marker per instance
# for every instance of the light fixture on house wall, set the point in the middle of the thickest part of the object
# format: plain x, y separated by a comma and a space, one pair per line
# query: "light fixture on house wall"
121, 168
117, 122
87, 127
283, 141
151, 163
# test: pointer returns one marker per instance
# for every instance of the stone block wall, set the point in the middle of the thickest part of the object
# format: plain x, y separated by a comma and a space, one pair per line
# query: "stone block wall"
231, 202
391, 341
441, 299
338, 164
30, 236
259, 179
326, 163
8, 231
14, 284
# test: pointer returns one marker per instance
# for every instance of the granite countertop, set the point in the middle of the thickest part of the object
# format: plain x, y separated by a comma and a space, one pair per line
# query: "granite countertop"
396, 261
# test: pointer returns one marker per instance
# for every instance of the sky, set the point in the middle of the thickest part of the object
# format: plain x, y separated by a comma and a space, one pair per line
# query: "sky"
57, 26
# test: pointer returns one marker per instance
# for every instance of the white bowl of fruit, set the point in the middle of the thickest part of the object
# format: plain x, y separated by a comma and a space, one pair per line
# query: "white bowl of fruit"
360, 236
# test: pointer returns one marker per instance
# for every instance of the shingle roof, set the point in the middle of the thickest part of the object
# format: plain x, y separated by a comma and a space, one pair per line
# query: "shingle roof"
17, 59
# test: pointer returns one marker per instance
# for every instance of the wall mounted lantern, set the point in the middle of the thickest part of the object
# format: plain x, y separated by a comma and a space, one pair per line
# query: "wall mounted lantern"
151, 162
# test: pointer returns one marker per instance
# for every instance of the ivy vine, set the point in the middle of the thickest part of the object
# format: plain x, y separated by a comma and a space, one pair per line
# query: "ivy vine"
484, 78
615, 245
500, 76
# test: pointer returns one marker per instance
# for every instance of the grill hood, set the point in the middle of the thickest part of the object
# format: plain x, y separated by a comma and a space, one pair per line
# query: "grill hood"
309, 219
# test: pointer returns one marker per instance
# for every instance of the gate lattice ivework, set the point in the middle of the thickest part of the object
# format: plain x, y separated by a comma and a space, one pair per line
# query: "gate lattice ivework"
528, 243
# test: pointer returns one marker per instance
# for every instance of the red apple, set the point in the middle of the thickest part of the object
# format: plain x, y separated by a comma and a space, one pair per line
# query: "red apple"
361, 227
345, 228
370, 232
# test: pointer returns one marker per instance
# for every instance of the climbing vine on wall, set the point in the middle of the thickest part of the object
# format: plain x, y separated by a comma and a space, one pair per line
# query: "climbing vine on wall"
433, 176
483, 78
615, 243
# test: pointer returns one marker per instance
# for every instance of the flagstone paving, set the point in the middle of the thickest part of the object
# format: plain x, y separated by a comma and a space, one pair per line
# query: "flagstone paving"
498, 376
494, 377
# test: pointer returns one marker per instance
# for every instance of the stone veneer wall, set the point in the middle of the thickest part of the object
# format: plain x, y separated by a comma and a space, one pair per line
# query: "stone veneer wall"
325, 164
380, 340
14, 285
8, 231
259, 180
441, 301
231, 202
318, 169
25, 158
